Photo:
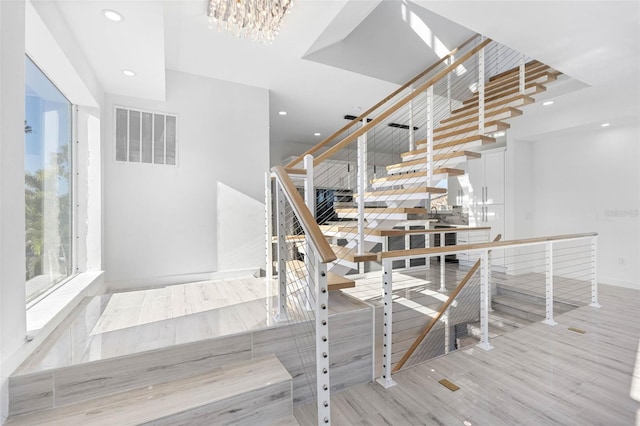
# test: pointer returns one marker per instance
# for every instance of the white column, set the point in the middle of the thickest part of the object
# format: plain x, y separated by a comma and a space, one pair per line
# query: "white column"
449, 62
268, 213
281, 202
407, 244
447, 331
484, 302
323, 386
481, 91
13, 328
594, 272
310, 201
442, 288
412, 141
387, 321
549, 285
362, 187
430, 125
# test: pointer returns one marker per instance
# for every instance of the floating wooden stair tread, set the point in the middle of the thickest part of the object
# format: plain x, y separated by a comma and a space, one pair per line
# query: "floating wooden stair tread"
520, 99
406, 191
533, 90
384, 210
501, 114
337, 282
334, 281
418, 175
515, 102
464, 141
438, 157
528, 67
351, 254
493, 125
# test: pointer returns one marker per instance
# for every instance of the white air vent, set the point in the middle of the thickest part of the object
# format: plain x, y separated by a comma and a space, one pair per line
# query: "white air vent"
146, 137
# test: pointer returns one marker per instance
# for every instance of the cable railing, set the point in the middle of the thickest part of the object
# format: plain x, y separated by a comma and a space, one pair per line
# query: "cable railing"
543, 277
303, 290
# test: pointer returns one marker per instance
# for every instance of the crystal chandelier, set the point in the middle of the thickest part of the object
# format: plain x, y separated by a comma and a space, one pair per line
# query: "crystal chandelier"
259, 20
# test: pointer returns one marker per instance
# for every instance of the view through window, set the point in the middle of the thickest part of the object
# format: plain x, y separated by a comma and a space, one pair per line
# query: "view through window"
48, 203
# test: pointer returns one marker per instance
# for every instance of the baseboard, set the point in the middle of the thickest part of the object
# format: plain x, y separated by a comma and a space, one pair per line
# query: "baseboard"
634, 285
161, 281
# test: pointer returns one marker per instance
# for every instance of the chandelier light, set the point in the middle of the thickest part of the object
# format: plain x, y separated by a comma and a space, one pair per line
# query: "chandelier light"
259, 20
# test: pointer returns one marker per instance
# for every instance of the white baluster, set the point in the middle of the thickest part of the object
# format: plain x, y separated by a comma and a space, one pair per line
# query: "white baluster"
549, 285
323, 385
387, 322
281, 228
594, 272
484, 302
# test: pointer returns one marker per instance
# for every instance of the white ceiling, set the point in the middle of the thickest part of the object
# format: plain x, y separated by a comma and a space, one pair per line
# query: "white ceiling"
366, 48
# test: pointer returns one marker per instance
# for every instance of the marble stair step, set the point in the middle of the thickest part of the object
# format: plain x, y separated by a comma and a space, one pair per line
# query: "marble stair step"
247, 392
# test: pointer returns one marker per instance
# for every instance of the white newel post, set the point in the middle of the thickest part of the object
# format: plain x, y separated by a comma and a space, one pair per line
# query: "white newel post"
447, 331
594, 272
549, 285
481, 91
387, 321
268, 213
484, 301
449, 62
521, 74
362, 187
412, 141
281, 228
310, 201
442, 288
323, 386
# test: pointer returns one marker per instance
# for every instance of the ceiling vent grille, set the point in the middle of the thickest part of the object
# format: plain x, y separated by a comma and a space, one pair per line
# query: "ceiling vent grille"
146, 137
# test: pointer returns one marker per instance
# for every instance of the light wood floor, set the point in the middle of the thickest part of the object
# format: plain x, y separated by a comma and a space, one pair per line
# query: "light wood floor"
538, 375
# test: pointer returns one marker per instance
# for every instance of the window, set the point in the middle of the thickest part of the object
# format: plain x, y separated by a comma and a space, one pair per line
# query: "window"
48, 184
145, 137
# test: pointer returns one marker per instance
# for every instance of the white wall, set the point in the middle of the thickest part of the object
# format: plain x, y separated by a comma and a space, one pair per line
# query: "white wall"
589, 180
162, 222
12, 249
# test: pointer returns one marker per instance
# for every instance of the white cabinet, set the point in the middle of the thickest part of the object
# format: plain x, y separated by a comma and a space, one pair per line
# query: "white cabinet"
486, 196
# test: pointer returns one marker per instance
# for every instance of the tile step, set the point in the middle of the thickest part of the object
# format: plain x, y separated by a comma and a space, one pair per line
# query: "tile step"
249, 392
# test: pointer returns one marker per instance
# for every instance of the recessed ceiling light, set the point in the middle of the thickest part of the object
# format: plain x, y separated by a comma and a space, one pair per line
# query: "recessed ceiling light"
112, 15
129, 73
316, 134
547, 103
283, 113
605, 125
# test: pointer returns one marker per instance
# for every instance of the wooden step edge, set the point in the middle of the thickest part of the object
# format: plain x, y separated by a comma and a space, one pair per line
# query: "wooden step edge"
539, 77
515, 70
295, 171
473, 112
409, 175
400, 232
338, 282
492, 91
492, 104
539, 88
405, 191
349, 254
385, 210
455, 121
483, 139
437, 157
499, 125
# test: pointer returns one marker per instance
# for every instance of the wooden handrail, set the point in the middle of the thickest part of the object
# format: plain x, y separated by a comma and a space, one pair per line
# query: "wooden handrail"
427, 328
305, 217
364, 129
423, 252
366, 114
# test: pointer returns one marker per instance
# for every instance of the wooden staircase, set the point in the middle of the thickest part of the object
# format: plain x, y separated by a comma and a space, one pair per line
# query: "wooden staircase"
455, 140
